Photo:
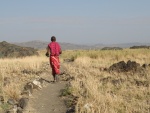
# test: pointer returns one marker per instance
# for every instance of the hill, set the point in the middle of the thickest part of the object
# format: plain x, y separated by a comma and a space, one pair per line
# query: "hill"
42, 45
8, 50
36, 44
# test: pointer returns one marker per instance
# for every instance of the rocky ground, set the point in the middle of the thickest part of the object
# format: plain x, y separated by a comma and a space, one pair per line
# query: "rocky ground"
48, 99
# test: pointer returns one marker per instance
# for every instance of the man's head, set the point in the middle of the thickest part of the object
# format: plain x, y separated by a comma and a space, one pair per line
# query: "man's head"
53, 38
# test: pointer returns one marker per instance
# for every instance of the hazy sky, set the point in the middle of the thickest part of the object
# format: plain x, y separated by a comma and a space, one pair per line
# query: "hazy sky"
75, 21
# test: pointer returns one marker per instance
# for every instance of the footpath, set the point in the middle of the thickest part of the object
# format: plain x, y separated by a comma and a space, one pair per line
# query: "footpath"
47, 100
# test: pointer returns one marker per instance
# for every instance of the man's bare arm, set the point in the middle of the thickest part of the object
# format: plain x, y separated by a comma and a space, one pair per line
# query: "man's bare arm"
48, 50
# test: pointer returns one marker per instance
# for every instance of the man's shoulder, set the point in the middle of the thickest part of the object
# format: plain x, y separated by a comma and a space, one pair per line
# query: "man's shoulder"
51, 43
57, 43
54, 43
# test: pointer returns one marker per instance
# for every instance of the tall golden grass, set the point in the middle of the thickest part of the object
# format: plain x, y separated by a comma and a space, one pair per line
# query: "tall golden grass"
95, 94
15, 72
99, 96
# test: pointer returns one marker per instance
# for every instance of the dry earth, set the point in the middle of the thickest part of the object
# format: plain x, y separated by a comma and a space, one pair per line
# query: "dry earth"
47, 100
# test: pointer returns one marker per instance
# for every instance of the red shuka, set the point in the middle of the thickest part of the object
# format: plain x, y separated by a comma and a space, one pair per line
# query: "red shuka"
55, 64
54, 57
54, 48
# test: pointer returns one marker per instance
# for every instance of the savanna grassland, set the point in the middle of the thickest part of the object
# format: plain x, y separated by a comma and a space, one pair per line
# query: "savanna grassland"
92, 88
15, 73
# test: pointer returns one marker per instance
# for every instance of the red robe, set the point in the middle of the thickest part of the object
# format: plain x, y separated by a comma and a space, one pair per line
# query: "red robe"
54, 57
55, 64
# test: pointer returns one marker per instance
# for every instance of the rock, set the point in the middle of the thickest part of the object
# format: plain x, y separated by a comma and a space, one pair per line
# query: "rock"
71, 110
28, 89
11, 101
120, 67
126, 67
23, 102
132, 65
145, 65
88, 106
19, 110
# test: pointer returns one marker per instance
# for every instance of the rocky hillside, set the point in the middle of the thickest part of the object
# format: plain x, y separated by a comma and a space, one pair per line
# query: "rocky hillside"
8, 50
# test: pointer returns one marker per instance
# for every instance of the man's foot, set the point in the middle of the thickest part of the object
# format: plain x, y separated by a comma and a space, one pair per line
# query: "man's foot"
54, 81
56, 78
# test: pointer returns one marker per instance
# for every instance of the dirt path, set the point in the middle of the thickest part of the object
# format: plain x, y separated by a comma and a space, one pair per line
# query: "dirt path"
47, 100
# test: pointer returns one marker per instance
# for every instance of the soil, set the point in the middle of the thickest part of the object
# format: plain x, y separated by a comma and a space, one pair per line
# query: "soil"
47, 100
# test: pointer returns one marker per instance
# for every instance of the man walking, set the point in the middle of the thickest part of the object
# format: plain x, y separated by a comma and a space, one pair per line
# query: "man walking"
53, 51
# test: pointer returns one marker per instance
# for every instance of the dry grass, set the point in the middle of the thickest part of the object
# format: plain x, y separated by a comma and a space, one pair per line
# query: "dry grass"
103, 92
14, 73
98, 91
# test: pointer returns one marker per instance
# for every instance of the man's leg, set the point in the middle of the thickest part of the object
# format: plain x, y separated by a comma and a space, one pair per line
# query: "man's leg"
54, 77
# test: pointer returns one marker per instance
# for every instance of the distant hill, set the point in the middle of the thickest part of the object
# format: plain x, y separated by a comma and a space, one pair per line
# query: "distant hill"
128, 45
34, 44
42, 45
8, 50
69, 46
140, 47
111, 48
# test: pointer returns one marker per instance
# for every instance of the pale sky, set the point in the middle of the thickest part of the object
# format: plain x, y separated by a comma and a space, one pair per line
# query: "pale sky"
75, 21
